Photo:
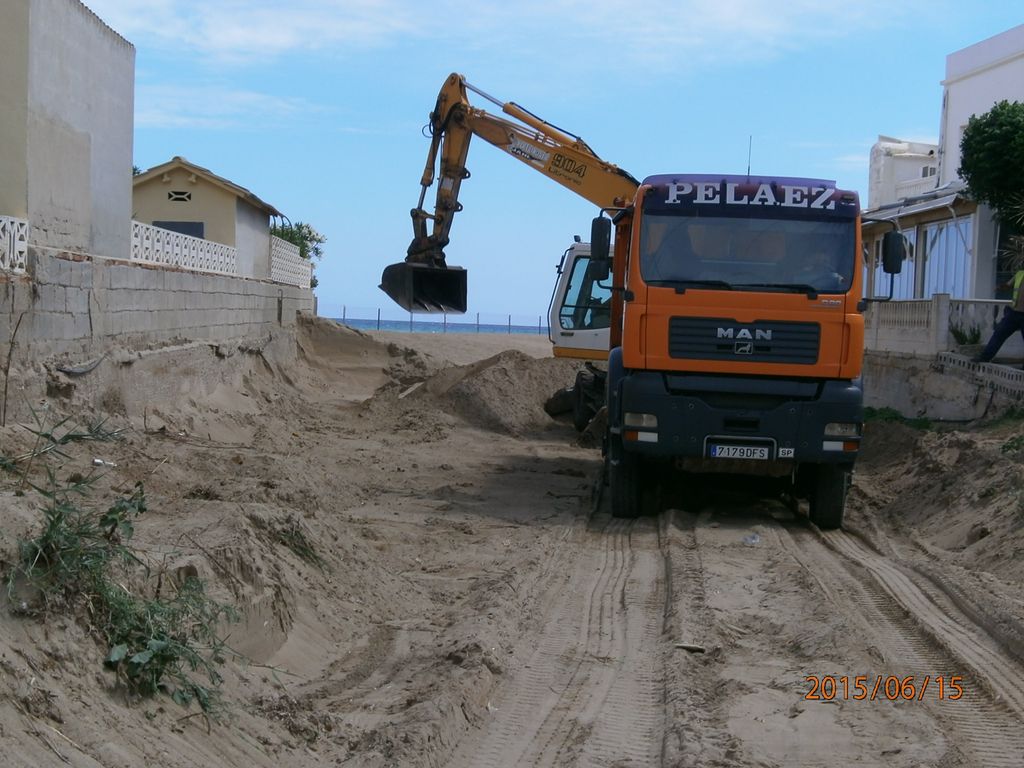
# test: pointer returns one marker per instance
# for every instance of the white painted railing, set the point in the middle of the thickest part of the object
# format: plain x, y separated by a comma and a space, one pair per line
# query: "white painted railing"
286, 266
161, 246
980, 314
915, 187
13, 244
903, 314
936, 325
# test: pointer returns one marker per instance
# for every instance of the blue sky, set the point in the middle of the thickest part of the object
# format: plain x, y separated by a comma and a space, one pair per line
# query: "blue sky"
317, 106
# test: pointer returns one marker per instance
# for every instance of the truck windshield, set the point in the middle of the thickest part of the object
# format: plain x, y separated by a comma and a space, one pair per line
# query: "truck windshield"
762, 254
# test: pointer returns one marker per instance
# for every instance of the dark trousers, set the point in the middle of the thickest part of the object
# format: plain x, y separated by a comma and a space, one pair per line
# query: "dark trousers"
1011, 322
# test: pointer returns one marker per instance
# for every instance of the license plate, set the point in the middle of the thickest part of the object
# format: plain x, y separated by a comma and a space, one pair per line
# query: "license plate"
757, 452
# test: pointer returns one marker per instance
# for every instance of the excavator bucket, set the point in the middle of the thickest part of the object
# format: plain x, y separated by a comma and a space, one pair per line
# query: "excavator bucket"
423, 288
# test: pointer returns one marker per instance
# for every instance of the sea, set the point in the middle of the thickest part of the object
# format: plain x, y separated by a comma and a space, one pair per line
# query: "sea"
435, 326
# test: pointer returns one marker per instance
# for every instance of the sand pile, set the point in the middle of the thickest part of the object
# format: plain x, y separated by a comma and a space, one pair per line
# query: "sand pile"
958, 491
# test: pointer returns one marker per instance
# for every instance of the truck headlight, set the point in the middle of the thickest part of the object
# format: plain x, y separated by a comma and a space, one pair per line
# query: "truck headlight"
842, 429
640, 420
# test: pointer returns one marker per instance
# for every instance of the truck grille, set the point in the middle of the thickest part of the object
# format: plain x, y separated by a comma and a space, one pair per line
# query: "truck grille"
710, 338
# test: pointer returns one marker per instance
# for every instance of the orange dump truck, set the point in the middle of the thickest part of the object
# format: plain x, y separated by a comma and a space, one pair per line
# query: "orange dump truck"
737, 335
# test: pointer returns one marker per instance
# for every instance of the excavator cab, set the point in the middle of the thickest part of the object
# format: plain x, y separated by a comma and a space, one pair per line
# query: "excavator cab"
417, 287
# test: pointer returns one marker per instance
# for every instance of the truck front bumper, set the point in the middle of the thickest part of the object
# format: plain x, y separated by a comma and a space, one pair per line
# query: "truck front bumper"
738, 424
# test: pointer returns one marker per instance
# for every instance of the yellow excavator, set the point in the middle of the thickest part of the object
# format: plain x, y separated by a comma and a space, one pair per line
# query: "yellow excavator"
424, 282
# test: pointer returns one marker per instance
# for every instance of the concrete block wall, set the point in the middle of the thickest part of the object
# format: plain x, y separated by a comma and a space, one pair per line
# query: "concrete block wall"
77, 306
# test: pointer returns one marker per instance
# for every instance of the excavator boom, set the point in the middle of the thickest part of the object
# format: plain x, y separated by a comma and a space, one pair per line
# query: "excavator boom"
424, 282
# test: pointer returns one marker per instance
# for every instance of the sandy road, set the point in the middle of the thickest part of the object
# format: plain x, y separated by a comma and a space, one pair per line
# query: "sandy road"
592, 691
779, 607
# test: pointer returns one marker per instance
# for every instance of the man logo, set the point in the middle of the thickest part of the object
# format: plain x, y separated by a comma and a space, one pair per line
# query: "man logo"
759, 334
744, 348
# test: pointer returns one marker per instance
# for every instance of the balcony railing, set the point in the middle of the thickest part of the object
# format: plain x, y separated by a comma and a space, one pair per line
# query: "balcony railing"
286, 266
13, 244
915, 187
161, 246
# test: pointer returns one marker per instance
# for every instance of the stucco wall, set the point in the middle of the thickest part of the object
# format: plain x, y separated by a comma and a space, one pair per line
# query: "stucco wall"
78, 307
918, 386
210, 204
14, 115
253, 238
79, 130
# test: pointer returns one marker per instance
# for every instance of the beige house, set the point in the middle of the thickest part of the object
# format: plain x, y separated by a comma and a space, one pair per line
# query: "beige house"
186, 198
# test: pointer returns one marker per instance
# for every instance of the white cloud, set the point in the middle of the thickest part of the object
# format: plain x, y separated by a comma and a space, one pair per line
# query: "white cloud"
171, 106
674, 33
257, 30
854, 162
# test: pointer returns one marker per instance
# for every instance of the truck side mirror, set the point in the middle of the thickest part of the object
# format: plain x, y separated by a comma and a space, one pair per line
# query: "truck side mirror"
600, 248
894, 251
600, 238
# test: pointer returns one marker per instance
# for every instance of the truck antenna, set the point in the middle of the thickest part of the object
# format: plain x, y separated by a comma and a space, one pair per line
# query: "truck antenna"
750, 146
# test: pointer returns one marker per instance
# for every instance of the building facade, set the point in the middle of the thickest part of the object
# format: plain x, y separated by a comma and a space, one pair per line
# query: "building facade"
953, 242
66, 118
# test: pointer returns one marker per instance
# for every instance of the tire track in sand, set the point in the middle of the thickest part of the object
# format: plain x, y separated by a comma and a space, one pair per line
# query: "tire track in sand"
592, 692
925, 638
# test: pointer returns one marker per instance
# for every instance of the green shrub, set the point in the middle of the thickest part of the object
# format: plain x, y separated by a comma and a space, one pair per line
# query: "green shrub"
81, 561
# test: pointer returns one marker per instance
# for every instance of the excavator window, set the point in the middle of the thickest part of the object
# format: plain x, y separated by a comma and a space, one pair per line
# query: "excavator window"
587, 301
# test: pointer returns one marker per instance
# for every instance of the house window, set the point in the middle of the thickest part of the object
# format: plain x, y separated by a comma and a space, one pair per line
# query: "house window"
191, 228
179, 197
947, 258
904, 285
928, 171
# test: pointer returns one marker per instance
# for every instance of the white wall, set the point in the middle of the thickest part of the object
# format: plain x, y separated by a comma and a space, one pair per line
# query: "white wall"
14, 114
80, 307
252, 239
80, 125
976, 78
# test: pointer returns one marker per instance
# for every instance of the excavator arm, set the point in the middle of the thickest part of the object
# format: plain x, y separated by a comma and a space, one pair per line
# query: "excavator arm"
424, 282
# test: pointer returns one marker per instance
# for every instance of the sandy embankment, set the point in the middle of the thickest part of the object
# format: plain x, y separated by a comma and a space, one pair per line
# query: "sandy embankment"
465, 594
424, 563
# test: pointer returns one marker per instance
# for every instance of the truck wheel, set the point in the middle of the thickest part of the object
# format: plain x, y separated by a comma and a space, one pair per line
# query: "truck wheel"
624, 484
582, 404
828, 496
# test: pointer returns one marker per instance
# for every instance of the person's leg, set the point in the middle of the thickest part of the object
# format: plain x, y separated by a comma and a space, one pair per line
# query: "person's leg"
1008, 324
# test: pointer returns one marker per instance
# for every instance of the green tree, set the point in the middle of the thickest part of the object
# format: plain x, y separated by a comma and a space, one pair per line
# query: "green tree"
992, 158
309, 241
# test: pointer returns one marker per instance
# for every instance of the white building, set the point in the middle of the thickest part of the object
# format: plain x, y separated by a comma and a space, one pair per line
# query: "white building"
915, 185
66, 104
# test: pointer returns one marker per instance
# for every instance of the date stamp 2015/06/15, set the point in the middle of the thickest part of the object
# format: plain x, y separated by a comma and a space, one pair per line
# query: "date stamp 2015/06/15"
884, 687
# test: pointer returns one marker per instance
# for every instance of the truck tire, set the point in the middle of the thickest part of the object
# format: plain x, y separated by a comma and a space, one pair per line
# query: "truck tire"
828, 496
581, 414
587, 398
625, 485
